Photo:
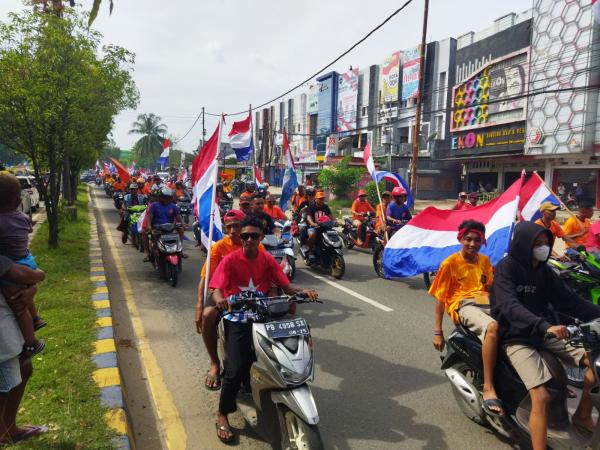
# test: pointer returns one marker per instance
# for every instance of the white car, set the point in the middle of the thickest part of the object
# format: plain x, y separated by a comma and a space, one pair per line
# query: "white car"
28, 185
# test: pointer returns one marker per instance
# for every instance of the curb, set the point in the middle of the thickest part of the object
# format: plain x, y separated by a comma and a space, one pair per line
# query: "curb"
106, 376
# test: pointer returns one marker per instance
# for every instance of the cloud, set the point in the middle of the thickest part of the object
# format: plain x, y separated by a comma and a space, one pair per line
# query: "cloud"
216, 50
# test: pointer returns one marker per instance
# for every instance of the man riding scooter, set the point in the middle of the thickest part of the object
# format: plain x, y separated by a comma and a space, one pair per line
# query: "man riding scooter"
360, 206
398, 212
165, 211
525, 295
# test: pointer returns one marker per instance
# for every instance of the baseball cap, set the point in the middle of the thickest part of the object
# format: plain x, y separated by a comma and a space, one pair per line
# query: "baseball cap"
233, 215
362, 192
320, 194
462, 194
548, 206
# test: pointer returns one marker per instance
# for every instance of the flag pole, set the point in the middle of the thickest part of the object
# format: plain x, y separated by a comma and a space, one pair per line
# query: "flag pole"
211, 224
387, 238
253, 148
553, 193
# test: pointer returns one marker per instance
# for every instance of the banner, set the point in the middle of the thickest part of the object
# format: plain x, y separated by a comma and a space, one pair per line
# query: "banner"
390, 73
313, 99
347, 100
410, 72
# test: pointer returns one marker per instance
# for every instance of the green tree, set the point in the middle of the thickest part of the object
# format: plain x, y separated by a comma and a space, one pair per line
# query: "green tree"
59, 93
152, 132
372, 192
96, 8
340, 178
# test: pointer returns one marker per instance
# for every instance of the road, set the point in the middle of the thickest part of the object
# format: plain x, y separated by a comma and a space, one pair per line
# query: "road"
377, 386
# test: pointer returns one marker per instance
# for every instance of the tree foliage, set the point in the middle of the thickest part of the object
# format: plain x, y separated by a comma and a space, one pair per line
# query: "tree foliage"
372, 192
152, 131
340, 178
96, 8
59, 92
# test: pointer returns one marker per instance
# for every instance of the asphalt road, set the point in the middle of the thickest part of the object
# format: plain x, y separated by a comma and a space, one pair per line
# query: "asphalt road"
378, 383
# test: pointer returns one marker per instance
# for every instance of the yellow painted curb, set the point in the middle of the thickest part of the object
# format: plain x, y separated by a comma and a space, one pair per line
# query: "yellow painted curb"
101, 304
98, 278
108, 376
104, 346
117, 420
104, 322
101, 290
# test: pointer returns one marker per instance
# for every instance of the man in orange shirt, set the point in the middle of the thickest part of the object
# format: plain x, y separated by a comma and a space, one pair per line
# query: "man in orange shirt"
298, 198
142, 187
119, 186
273, 210
179, 189
577, 226
380, 223
461, 288
206, 313
360, 206
548, 210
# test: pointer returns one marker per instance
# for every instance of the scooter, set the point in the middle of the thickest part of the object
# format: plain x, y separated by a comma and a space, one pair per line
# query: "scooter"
133, 215
226, 202
328, 250
463, 366
166, 254
118, 198
184, 205
349, 232
281, 247
280, 405
108, 189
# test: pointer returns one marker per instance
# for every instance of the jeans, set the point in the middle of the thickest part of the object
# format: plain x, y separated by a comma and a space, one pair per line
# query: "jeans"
238, 346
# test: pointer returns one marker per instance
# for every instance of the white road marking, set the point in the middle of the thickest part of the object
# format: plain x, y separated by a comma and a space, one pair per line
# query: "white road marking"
350, 292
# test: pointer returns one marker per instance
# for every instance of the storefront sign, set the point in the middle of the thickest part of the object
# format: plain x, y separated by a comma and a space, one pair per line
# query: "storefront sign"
535, 136
410, 72
502, 139
390, 73
347, 100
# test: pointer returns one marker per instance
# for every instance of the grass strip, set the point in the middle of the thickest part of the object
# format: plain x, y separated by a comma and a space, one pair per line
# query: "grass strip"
61, 392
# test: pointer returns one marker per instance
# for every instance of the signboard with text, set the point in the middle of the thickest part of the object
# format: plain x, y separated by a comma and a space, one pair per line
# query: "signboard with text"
410, 72
390, 74
493, 140
347, 100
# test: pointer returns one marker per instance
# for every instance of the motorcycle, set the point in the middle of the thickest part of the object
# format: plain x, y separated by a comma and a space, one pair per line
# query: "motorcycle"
118, 198
349, 232
98, 181
380, 242
185, 208
582, 273
463, 366
226, 202
108, 189
130, 220
279, 405
281, 247
328, 250
166, 251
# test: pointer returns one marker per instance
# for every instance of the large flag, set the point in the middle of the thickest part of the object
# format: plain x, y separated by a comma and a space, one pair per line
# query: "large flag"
430, 237
163, 160
368, 158
396, 180
121, 170
290, 182
533, 194
240, 138
204, 174
131, 169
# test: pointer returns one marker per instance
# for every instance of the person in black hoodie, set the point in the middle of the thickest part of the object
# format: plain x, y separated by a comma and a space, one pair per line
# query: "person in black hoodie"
523, 292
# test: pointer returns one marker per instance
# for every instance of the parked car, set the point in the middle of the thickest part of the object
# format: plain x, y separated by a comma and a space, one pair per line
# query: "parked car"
88, 176
28, 185
25, 205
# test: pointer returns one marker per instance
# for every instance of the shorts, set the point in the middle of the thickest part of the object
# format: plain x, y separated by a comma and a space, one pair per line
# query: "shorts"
28, 261
10, 374
530, 365
475, 317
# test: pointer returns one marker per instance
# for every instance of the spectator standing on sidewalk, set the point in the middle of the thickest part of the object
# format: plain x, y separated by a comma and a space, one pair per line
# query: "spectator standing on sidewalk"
14, 372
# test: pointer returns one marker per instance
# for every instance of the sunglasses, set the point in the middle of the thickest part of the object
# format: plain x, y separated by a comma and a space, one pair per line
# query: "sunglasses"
248, 236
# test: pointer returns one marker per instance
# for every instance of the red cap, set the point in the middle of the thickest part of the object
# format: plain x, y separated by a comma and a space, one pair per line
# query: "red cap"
233, 215
361, 192
397, 191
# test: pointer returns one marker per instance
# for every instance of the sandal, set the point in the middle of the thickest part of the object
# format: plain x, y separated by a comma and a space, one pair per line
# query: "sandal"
28, 432
29, 351
212, 382
225, 429
493, 402
39, 323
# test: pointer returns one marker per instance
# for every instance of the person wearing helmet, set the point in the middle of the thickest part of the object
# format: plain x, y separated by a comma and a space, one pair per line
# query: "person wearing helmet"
360, 207
142, 187
314, 213
250, 187
165, 211
398, 212
460, 203
134, 198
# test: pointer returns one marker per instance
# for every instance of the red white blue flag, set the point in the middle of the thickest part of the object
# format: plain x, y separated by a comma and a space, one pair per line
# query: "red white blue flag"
533, 194
290, 181
240, 138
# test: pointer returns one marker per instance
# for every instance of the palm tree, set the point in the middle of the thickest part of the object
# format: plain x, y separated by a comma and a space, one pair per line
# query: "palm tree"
152, 130
96, 7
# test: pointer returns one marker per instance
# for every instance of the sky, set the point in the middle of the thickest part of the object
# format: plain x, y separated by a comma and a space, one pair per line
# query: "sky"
227, 54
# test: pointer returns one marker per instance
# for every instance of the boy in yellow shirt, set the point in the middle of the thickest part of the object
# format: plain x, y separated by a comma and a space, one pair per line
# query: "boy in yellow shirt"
461, 289
578, 225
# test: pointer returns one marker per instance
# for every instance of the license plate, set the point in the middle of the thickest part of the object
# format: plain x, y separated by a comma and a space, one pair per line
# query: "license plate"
287, 328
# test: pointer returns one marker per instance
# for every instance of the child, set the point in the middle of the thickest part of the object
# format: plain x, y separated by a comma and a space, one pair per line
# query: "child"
14, 230
461, 288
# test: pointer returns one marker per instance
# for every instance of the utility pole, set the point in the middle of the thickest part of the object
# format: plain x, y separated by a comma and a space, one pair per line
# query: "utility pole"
417, 131
203, 128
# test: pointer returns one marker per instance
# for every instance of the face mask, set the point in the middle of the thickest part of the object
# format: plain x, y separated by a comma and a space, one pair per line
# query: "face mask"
541, 253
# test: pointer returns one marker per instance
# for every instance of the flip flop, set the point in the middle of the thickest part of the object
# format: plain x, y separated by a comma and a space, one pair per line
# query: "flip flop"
487, 404
582, 428
226, 429
212, 382
29, 431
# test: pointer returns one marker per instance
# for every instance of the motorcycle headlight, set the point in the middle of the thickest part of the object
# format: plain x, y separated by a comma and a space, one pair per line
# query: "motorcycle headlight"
267, 348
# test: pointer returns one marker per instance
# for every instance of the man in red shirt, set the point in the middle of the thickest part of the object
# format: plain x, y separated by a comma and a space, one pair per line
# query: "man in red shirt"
244, 270
462, 200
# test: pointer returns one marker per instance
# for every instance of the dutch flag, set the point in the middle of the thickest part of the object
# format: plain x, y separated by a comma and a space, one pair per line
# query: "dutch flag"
533, 194
163, 160
290, 181
240, 138
204, 176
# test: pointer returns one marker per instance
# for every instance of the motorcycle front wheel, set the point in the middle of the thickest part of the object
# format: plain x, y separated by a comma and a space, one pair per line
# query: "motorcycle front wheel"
378, 261
172, 274
338, 266
296, 433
